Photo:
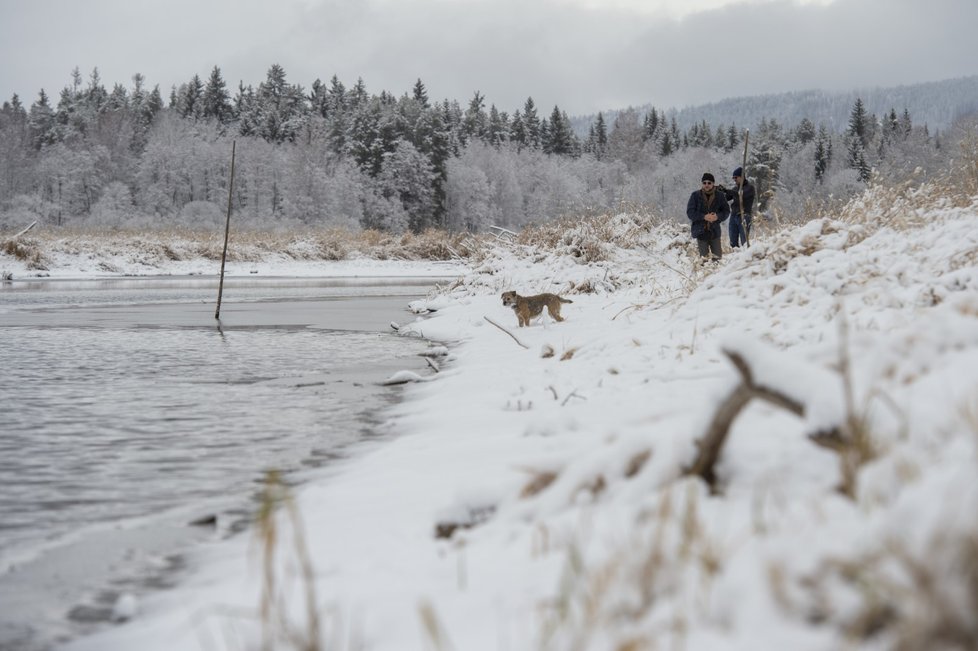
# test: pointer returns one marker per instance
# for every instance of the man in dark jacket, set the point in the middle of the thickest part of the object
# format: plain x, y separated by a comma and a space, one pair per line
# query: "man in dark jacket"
739, 224
707, 209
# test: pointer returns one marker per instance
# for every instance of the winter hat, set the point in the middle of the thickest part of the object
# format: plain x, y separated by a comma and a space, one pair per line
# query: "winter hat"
739, 171
707, 177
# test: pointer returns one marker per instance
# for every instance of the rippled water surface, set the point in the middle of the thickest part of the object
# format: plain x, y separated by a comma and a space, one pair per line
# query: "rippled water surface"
124, 400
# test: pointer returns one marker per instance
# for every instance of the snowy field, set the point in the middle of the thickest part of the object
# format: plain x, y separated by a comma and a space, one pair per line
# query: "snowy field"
553, 487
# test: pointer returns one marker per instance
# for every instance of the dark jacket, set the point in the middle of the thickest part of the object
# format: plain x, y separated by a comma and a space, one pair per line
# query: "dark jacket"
733, 196
696, 210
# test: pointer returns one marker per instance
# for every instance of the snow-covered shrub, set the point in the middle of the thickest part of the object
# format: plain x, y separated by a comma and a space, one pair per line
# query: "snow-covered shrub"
114, 209
24, 209
202, 215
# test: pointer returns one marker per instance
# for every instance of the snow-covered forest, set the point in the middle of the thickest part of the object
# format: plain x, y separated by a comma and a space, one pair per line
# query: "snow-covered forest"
337, 156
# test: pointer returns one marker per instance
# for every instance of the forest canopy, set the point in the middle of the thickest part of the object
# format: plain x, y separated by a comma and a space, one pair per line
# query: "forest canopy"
338, 156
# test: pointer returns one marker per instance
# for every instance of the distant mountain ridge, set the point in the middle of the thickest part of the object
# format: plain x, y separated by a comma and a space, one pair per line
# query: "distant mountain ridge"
937, 104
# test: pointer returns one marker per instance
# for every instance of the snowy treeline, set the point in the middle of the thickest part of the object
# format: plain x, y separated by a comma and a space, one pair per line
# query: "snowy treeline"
335, 156
937, 104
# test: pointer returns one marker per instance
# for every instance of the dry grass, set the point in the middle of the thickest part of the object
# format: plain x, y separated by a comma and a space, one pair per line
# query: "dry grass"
589, 238
182, 244
26, 250
857, 446
911, 602
617, 599
278, 631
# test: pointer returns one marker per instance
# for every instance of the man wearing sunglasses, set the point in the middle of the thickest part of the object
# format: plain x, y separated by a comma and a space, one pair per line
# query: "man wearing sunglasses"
707, 209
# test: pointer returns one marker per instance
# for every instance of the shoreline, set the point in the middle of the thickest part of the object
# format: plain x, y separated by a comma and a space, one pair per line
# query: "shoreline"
120, 560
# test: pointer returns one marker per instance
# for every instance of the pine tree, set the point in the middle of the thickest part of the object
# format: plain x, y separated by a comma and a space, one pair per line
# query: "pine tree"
666, 148
475, 123
805, 132
40, 122
651, 124
338, 120
215, 100
857, 159
281, 107
733, 138
906, 124
118, 98
720, 138
155, 103
590, 145
68, 116
766, 152
246, 110
561, 137
14, 110
821, 159
357, 96
859, 124
142, 118
531, 124
190, 99
95, 96
319, 99
892, 124
421, 93
517, 130
600, 137
451, 114
433, 140
498, 129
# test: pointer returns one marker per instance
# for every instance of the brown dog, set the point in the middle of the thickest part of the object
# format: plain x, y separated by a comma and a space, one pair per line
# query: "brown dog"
529, 307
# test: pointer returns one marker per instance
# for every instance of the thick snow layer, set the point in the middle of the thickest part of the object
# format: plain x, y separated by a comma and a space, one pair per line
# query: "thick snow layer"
535, 495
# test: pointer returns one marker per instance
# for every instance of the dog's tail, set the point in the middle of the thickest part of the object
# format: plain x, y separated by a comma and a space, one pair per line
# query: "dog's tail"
564, 300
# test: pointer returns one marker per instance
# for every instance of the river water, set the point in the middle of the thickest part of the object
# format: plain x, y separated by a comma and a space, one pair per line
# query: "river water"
133, 424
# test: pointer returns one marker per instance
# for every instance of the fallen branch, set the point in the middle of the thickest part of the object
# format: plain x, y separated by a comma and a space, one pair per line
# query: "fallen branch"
14, 237
572, 394
711, 444
506, 331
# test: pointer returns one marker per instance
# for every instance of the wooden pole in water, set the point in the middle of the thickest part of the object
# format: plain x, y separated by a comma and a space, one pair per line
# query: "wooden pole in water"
227, 231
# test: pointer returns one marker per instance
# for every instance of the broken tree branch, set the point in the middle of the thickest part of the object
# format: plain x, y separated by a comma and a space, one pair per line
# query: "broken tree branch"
506, 331
13, 238
710, 445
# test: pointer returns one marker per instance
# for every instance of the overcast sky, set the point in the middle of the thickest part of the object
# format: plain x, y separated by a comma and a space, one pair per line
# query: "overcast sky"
583, 55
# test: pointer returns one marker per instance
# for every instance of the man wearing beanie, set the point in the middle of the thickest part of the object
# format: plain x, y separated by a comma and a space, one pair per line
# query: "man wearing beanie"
707, 209
739, 223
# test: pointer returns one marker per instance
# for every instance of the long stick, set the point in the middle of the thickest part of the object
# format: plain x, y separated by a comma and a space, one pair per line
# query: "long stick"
505, 330
227, 231
743, 217
32, 225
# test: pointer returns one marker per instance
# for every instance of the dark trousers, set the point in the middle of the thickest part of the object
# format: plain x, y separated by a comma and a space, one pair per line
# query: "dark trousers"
739, 230
708, 246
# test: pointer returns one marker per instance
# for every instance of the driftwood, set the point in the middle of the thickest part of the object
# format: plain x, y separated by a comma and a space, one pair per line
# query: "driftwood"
711, 444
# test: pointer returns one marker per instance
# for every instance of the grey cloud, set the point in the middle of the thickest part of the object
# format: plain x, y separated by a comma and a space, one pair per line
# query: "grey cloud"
582, 59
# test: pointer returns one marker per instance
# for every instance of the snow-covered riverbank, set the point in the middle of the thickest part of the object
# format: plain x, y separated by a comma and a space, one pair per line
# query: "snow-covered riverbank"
536, 494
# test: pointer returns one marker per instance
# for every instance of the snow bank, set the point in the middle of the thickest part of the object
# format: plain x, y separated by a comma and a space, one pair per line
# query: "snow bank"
535, 497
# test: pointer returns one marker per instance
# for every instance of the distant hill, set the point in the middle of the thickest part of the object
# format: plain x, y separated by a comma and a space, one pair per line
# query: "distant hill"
937, 104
